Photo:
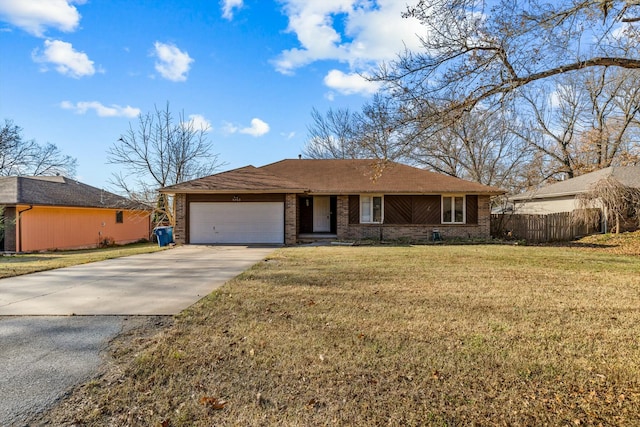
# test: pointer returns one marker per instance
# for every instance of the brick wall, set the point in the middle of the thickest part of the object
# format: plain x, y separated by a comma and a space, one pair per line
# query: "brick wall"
484, 216
412, 232
290, 219
348, 231
342, 220
179, 229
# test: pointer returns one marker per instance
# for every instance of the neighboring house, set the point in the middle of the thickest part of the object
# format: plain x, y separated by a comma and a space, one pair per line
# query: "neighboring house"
563, 196
54, 212
295, 200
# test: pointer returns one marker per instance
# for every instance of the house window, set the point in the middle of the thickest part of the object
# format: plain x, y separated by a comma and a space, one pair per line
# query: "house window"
119, 217
371, 209
453, 210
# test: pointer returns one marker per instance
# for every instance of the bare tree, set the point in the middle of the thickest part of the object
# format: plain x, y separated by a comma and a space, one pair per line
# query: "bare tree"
383, 132
26, 157
159, 152
611, 138
583, 121
332, 136
475, 53
616, 200
481, 147
478, 146
553, 115
377, 131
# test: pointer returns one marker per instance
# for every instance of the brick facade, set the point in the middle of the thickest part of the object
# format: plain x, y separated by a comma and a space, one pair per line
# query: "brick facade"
346, 231
343, 217
420, 232
291, 219
180, 227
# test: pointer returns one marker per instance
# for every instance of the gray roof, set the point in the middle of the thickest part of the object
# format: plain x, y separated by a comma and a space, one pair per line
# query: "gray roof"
58, 191
626, 175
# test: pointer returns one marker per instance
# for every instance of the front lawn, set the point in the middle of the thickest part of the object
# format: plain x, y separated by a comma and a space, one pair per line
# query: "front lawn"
16, 265
428, 335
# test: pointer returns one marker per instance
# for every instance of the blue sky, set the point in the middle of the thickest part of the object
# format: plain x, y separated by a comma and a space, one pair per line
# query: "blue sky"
76, 72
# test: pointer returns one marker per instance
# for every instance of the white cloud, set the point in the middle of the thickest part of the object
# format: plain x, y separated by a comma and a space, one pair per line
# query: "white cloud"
621, 35
562, 94
257, 128
34, 16
229, 128
349, 84
554, 99
199, 122
228, 7
358, 32
65, 58
101, 110
289, 135
173, 64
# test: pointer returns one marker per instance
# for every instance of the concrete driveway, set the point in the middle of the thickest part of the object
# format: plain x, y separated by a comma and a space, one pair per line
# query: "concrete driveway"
160, 283
43, 356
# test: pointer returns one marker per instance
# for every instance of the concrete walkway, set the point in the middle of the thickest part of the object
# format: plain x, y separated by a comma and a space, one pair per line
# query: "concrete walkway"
161, 283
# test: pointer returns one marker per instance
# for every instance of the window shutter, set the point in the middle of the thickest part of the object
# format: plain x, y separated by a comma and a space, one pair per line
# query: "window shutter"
354, 209
426, 209
397, 209
472, 209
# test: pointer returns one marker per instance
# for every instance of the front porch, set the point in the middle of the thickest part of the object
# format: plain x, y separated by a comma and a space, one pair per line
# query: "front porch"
317, 237
317, 216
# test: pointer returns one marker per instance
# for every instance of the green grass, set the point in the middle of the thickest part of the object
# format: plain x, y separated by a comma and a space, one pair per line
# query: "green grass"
16, 265
429, 335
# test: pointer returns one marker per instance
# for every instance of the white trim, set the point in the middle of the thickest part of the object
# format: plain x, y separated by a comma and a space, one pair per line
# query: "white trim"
371, 197
464, 208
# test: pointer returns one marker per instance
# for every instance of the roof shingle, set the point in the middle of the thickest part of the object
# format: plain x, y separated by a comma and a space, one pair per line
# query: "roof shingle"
329, 176
248, 178
58, 191
626, 175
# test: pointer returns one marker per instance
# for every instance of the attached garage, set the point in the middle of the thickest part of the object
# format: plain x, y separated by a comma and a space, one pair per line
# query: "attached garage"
236, 222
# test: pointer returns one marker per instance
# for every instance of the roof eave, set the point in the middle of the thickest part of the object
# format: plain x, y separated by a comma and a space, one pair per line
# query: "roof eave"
234, 191
520, 198
326, 192
67, 206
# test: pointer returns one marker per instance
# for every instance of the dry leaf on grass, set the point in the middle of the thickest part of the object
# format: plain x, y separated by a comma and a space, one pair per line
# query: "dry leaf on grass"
213, 402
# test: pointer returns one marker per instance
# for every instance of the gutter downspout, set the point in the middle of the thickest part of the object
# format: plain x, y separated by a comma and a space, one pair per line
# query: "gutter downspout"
19, 223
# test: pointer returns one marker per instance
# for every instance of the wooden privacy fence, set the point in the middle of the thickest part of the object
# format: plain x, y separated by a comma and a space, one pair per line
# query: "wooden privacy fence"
538, 228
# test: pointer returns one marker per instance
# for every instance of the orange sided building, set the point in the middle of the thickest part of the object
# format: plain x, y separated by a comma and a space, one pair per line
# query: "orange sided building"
53, 212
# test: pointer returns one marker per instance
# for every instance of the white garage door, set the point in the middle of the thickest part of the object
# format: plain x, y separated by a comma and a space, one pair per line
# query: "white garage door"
259, 222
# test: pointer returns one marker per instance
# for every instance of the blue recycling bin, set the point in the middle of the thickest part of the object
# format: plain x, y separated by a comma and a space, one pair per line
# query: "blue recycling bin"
164, 235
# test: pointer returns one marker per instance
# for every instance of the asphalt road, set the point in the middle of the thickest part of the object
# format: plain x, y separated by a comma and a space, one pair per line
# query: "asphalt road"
43, 357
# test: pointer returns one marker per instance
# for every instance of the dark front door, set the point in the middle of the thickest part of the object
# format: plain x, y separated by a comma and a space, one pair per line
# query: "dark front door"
334, 214
306, 214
